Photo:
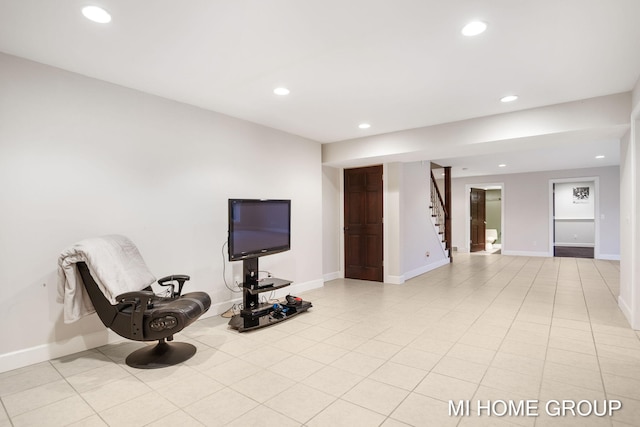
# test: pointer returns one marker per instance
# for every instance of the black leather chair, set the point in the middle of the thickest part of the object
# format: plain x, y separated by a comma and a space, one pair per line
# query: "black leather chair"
144, 316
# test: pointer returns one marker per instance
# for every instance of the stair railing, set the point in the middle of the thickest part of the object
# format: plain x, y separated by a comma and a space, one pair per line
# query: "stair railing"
438, 209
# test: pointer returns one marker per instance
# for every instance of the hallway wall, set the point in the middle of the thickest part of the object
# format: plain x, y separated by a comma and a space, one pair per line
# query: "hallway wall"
527, 210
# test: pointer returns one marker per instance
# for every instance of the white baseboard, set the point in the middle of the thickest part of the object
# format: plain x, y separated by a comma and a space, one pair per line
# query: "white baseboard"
610, 257
333, 276
399, 280
628, 313
298, 288
394, 280
54, 350
220, 307
527, 253
426, 268
42, 353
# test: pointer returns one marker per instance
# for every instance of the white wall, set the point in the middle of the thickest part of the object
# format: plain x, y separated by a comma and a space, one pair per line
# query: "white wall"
419, 237
393, 224
629, 299
408, 231
574, 218
526, 219
81, 158
331, 223
627, 229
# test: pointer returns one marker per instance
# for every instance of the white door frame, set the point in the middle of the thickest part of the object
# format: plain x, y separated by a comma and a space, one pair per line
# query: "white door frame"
467, 210
596, 211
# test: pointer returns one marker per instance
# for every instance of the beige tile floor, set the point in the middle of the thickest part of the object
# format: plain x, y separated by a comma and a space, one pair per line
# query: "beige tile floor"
495, 328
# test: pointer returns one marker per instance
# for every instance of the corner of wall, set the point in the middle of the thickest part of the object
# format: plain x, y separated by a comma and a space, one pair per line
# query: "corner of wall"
426, 268
635, 95
628, 312
332, 276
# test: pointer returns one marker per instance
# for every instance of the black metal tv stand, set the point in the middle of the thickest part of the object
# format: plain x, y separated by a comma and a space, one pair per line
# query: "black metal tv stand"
254, 314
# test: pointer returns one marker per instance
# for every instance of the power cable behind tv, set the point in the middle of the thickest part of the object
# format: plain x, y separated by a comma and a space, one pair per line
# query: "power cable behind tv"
224, 272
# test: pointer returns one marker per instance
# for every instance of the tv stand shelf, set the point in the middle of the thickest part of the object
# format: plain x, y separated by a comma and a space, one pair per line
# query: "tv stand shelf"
254, 314
247, 322
260, 288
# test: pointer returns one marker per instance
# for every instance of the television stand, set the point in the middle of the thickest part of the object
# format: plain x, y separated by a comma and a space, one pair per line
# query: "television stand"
254, 314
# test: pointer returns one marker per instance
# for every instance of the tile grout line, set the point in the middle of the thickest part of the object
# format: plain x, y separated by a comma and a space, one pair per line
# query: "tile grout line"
595, 346
506, 285
430, 370
546, 351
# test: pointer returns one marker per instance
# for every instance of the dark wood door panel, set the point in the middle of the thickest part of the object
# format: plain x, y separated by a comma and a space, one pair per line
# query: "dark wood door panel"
353, 251
354, 212
478, 219
363, 223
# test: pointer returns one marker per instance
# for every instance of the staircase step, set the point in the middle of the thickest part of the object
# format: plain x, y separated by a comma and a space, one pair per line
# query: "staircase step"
437, 224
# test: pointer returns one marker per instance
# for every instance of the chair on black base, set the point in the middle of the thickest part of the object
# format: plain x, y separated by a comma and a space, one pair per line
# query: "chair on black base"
143, 316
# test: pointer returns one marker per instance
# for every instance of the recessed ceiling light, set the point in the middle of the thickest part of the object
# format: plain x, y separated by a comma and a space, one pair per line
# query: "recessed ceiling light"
96, 14
364, 125
600, 156
281, 91
502, 165
474, 28
509, 98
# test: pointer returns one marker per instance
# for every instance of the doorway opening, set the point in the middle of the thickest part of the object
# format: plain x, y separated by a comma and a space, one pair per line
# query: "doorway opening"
574, 205
485, 218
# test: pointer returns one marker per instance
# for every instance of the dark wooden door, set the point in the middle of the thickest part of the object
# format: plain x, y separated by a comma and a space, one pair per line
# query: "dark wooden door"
478, 220
363, 247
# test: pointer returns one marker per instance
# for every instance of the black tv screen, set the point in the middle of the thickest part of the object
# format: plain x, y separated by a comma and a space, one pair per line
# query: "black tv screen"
258, 227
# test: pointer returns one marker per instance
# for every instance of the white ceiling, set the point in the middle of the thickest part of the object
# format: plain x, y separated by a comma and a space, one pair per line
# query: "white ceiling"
397, 65
558, 157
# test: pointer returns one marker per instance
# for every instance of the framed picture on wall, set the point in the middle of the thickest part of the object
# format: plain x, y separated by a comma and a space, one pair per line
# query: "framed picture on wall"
580, 195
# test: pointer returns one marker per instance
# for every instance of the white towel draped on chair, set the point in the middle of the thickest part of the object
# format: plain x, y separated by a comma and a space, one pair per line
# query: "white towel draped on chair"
121, 269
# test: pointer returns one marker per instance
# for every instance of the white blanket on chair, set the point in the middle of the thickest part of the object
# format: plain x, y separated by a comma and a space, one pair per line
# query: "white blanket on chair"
115, 264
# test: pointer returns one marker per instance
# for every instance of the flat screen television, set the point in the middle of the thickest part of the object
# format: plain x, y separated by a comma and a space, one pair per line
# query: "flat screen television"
258, 227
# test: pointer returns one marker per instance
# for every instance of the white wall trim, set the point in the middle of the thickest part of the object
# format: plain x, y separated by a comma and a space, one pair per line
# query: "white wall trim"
333, 276
426, 268
45, 352
609, 257
79, 343
527, 253
386, 216
299, 288
631, 308
221, 307
634, 312
341, 221
626, 310
467, 213
394, 280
